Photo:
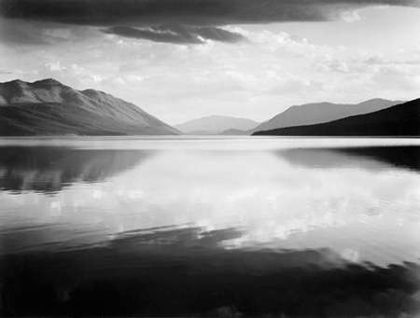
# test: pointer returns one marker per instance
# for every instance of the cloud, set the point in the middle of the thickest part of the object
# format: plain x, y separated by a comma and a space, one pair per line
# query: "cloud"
35, 33
149, 19
175, 33
54, 66
112, 12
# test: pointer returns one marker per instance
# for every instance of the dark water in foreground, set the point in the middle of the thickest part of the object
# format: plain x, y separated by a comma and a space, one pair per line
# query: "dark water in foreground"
210, 227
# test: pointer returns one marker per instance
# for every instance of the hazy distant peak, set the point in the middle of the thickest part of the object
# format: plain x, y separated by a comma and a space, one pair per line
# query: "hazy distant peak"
212, 116
215, 124
315, 104
380, 101
373, 100
223, 117
324, 103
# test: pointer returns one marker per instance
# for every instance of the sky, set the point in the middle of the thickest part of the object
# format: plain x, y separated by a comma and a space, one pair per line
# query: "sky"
183, 59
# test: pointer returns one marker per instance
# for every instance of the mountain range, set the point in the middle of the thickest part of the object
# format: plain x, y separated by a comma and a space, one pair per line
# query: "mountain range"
306, 114
216, 125
398, 120
47, 107
316, 113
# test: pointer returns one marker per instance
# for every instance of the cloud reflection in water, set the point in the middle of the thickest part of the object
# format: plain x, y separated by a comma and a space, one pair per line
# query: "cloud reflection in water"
182, 220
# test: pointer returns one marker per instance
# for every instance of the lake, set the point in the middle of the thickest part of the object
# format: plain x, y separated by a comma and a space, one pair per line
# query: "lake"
210, 226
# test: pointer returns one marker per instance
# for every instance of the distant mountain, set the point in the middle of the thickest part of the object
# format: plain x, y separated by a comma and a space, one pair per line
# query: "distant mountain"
321, 112
48, 107
214, 125
234, 132
399, 120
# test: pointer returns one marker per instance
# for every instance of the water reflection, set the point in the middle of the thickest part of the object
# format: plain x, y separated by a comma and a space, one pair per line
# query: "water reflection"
187, 272
49, 169
299, 231
405, 157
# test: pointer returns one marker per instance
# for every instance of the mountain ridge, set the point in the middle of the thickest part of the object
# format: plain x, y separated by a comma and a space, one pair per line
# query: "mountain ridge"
215, 124
315, 113
49, 107
398, 120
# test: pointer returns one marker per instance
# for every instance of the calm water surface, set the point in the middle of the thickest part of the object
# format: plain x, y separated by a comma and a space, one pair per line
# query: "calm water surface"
210, 227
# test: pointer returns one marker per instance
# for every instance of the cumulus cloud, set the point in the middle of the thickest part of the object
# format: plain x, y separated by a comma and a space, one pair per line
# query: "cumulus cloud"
154, 15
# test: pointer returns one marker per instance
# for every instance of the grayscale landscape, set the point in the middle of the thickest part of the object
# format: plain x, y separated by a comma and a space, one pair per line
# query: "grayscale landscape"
210, 158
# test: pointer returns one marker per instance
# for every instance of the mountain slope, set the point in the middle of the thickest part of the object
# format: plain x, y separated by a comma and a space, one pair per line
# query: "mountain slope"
48, 107
215, 125
322, 112
399, 120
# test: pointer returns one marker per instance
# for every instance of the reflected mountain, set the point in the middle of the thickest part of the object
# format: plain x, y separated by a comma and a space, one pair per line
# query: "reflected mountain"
371, 158
210, 233
50, 169
188, 272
